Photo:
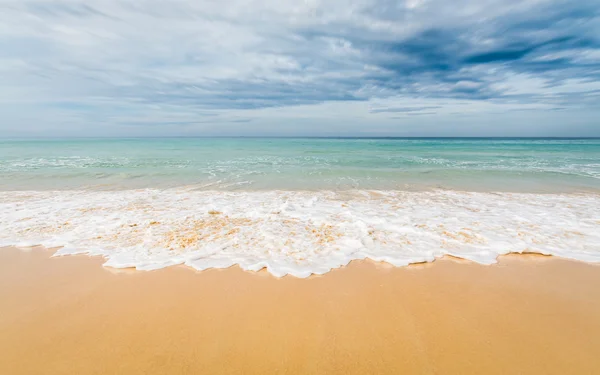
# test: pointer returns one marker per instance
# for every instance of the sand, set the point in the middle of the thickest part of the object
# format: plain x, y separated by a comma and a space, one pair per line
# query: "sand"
525, 315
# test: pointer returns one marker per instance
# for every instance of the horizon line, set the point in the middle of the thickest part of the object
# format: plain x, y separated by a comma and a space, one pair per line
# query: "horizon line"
286, 137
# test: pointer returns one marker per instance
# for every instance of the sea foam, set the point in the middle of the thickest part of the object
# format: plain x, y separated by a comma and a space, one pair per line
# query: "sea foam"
299, 232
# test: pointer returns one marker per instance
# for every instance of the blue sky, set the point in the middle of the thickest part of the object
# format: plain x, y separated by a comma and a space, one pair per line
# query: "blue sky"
283, 67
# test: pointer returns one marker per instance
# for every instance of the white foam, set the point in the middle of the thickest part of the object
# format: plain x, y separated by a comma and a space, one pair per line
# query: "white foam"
299, 233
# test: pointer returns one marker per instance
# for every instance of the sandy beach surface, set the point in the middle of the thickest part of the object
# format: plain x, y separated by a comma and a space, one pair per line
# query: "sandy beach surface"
525, 315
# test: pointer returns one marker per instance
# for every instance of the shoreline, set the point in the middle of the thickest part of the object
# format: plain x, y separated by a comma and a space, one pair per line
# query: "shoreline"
300, 233
55, 253
528, 314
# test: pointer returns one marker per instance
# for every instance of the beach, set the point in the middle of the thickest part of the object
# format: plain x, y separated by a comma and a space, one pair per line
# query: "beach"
299, 187
299, 256
526, 314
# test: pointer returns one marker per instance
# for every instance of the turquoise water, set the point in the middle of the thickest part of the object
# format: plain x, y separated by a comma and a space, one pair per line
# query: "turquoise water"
301, 206
528, 165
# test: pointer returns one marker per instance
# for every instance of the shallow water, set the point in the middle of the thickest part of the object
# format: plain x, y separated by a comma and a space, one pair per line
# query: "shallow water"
299, 233
520, 165
301, 206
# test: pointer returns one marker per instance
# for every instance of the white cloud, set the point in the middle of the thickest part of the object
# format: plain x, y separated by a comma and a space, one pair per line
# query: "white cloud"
117, 65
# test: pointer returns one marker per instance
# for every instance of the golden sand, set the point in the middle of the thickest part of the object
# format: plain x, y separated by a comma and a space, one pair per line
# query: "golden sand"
525, 315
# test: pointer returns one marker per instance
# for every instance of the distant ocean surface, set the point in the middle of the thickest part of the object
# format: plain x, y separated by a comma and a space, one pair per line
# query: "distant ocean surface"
525, 165
301, 206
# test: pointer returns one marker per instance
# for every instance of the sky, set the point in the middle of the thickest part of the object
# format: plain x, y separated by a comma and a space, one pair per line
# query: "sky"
299, 68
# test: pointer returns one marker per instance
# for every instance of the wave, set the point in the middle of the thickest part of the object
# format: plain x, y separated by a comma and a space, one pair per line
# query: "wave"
271, 166
299, 232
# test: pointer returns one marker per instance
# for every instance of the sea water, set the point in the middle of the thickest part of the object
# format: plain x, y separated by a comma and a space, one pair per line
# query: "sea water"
301, 206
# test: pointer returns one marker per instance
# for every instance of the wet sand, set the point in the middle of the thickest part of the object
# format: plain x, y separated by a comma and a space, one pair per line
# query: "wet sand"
525, 315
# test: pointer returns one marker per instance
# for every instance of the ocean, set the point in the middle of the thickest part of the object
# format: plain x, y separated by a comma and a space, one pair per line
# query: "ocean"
522, 165
301, 206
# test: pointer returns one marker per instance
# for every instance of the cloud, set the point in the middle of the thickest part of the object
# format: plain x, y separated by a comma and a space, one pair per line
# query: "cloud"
87, 67
405, 109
